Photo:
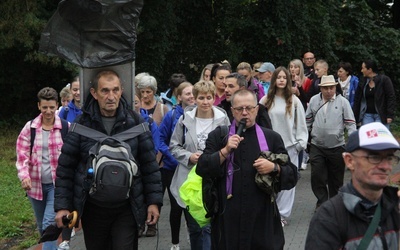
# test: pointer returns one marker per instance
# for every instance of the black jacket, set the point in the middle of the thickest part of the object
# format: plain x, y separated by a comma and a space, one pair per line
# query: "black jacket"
249, 220
71, 171
341, 222
385, 99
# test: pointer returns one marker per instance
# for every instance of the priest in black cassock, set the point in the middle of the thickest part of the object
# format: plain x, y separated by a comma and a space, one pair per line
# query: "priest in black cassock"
247, 217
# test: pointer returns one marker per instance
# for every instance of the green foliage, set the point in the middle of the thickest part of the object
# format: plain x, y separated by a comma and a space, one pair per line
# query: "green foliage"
23, 72
184, 36
16, 216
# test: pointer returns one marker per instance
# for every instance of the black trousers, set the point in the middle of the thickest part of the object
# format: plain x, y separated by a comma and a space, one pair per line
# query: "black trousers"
109, 228
327, 171
176, 211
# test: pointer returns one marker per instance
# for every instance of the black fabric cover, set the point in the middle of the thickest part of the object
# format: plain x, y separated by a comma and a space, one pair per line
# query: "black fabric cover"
93, 33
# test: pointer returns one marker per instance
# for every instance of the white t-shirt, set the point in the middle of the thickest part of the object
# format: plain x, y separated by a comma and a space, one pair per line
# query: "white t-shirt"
203, 128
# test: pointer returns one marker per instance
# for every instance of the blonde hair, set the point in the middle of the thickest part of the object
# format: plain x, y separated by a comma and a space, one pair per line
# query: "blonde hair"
299, 63
323, 63
207, 67
244, 65
203, 87
65, 92
182, 86
257, 65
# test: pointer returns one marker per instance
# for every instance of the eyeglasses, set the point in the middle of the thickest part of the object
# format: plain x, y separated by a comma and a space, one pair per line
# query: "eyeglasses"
309, 58
248, 109
376, 159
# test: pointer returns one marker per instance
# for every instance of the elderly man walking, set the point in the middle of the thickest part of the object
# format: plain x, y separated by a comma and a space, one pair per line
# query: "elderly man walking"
327, 115
109, 223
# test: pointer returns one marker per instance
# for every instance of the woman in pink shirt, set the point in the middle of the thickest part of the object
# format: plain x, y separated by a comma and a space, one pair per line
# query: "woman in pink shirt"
37, 161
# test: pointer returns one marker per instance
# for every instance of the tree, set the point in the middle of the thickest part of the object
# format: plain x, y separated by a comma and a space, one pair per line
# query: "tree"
183, 36
23, 71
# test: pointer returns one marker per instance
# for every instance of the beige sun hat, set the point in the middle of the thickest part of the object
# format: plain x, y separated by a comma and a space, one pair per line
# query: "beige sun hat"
327, 81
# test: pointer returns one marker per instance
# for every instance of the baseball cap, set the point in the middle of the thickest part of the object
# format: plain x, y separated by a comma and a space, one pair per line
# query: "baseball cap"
372, 136
267, 66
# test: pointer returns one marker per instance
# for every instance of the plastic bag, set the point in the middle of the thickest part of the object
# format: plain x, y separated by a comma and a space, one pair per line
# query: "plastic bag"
191, 193
93, 33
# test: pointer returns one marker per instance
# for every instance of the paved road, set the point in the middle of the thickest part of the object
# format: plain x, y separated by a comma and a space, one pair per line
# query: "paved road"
295, 231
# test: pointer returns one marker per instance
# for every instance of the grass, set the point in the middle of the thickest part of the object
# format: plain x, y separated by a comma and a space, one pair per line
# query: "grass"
18, 228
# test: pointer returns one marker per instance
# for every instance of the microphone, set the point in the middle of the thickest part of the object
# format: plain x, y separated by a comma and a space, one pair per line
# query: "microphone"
241, 127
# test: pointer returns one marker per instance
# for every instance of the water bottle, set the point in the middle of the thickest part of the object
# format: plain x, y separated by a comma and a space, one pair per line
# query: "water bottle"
87, 184
90, 174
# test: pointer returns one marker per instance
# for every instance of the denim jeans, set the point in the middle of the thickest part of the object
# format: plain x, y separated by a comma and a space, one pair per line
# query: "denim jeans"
200, 237
44, 213
369, 118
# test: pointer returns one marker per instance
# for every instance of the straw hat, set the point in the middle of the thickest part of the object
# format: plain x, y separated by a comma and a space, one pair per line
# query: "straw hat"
327, 81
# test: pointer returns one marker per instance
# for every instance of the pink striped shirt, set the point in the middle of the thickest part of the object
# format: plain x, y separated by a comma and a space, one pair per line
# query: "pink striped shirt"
30, 166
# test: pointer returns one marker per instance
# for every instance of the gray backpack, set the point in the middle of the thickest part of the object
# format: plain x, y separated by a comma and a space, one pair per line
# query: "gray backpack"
111, 166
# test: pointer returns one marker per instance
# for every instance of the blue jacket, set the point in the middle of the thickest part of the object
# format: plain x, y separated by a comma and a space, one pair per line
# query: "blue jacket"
353, 89
72, 113
153, 127
169, 101
166, 128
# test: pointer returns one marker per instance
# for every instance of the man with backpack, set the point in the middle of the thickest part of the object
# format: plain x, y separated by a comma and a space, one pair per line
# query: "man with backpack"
108, 172
365, 213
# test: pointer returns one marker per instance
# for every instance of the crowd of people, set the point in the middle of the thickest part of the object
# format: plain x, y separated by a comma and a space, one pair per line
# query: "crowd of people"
225, 125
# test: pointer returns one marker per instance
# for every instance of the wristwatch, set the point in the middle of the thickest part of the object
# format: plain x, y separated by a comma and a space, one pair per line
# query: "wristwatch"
275, 170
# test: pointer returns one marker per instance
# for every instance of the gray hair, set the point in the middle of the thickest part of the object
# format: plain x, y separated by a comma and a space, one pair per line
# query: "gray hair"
139, 76
148, 81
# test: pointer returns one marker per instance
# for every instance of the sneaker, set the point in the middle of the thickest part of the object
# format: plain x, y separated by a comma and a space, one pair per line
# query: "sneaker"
303, 166
151, 231
73, 232
175, 247
141, 231
283, 222
63, 245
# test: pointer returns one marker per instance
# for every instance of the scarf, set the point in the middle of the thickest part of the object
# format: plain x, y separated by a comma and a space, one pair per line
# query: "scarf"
262, 142
345, 85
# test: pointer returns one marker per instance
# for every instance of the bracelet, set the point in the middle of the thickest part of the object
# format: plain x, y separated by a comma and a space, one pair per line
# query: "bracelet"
222, 154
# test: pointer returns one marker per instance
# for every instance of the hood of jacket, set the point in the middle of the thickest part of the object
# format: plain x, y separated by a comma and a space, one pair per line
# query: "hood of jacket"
219, 113
352, 202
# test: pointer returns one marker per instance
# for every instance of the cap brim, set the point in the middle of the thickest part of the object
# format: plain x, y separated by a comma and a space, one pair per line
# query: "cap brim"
380, 146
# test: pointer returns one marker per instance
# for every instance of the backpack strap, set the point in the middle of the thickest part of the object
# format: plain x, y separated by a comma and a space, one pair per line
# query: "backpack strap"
64, 132
99, 136
173, 113
64, 128
33, 135
224, 133
65, 114
133, 132
364, 243
184, 129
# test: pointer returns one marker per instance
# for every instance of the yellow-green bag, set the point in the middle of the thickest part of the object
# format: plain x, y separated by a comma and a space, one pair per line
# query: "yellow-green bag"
191, 193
